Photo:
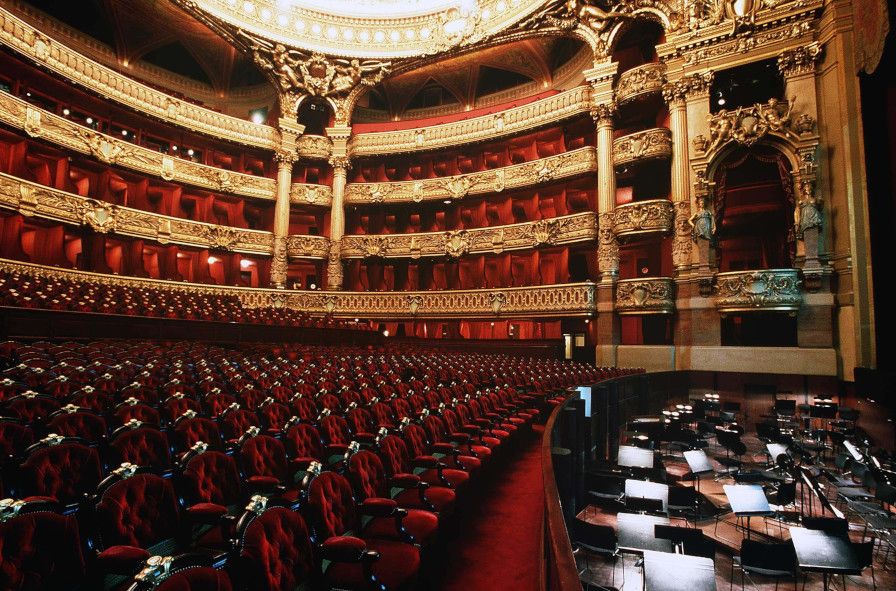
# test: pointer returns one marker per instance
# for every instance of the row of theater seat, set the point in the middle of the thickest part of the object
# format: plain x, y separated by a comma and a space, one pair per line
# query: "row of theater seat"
277, 466
23, 290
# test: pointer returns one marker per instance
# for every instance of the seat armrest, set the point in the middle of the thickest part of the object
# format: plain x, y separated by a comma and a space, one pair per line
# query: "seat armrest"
347, 549
378, 507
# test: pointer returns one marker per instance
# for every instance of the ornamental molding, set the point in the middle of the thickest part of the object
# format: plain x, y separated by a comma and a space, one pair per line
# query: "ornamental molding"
55, 56
644, 145
546, 111
691, 86
303, 194
747, 125
769, 290
33, 200
642, 217
307, 247
314, 147
800, 60
646, 295
682, 243
115, 152
571, 299
640, 82
607, 246
543, 170
576, 228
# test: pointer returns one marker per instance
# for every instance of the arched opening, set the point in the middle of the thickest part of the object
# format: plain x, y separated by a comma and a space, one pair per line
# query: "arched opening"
316, 115
637, 44
754, 204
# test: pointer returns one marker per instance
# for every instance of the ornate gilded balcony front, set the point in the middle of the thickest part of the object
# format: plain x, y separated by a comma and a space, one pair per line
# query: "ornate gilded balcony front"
569, 229
315, 147
763, 290
642, 217
645, 295
640, 82
650, 144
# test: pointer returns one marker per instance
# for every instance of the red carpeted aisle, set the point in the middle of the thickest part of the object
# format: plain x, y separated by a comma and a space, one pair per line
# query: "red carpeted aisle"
498, 541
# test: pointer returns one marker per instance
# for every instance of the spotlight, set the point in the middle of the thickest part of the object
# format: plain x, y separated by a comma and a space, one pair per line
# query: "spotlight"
66, 112
212, 260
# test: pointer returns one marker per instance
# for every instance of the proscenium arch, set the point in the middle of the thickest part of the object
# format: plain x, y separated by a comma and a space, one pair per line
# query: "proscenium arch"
775, 141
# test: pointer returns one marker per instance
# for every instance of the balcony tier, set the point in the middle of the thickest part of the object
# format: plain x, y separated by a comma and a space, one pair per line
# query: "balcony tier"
643, 217
762, 290
580, 227
650, 144
646, 295
640, 82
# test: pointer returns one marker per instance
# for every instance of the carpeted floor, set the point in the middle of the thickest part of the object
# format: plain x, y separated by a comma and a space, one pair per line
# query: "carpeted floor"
496, 543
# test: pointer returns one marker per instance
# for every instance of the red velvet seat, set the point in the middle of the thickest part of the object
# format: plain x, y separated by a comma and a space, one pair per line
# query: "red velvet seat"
397, 462
180, 573
133, 409
135, 512
304, 445
273, 548
334, 513
72, 421
368, 477
63, 469
190, 429
235, 421
139, 445
265, 466
421, 449
439, 436
39, 548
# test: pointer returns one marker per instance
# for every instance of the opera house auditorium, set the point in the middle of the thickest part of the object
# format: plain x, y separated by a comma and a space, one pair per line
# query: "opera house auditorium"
447, 295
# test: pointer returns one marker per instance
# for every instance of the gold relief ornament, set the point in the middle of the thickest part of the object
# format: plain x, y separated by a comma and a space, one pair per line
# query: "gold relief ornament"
457, 243
417, 192
102, 148
167, 170
497, 301
681, 241
590, 14
544, 231
747, 125
101, 217
500, 180
807, 214
458, 186
603, 113
607, 246
414, 302
313, 74
645, 295
221, 237
33, 124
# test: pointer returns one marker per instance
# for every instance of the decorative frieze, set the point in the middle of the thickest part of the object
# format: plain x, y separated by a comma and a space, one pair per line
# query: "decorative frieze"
309, 247
649, 144
562, 166
581, 227
687, 86
33, 200
641, 217
799, 61
765, 290
301, 194
113, 151
517, 120
640, 82
315, 147
106, 82
646, 295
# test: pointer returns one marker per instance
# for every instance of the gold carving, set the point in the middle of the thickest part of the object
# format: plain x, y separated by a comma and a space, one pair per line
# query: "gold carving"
314, 247
33, 125
641, 217
747, 125
100, 216
603, 113
681, 240
647, 295
643, 145
686, 87
607, 247
456, 243
566, 165
640, 82
315, 147
311, 194
801, 60
773, 289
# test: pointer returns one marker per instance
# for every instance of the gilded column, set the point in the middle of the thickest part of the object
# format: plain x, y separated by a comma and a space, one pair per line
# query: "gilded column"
340, 165
680, 176
608, 246
285, 159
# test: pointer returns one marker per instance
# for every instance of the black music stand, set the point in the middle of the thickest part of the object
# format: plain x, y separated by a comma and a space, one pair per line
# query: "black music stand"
825, 553
699, 464
651, 497
636, 533
747, 500
634, 457
678, 572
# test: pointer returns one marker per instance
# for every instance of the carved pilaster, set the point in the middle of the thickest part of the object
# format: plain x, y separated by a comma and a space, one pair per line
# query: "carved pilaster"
334, 266
285, 158
607, 248
682, 243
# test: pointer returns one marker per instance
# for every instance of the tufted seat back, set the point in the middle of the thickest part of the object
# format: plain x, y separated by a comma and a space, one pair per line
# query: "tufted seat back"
332, 506
304, 408
138, 511
394, 454
65, 472
86, 425
367, 474
335, 429
303, 441
15, 437
237, 421
212, 477
141, 412
276, 551
263, 455
143, 446
39, 549
416, 438
188, 431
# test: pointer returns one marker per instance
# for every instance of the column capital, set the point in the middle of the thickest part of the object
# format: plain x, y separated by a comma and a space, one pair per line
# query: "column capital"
800, 60
603, 113
691, 86
286, 156
340, 162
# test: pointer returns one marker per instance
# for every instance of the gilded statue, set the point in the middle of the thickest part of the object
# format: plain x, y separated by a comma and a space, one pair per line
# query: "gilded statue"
592, 15
720, 129
775, 119
703, 222
807, 214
